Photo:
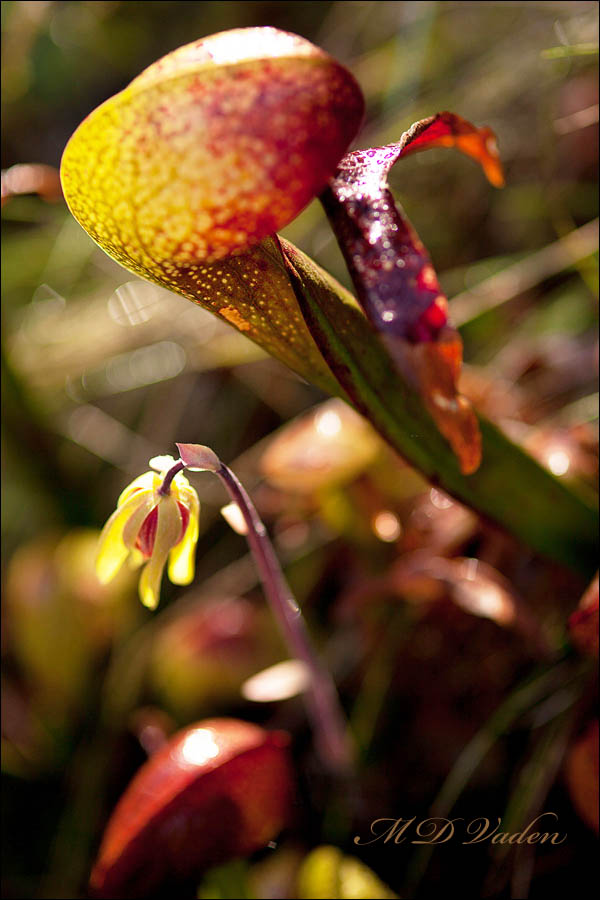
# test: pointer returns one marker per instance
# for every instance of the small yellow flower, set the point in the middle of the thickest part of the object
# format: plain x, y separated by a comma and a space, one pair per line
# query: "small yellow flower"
150, 525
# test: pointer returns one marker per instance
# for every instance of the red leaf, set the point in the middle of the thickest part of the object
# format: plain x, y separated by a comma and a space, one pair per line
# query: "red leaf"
446, 129
391, 270
583, 624
218, 789
395, 282
433, 367
198, 457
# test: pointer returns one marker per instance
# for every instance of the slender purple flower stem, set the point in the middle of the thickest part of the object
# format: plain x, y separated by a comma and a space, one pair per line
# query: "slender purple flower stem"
165, 487
331, 733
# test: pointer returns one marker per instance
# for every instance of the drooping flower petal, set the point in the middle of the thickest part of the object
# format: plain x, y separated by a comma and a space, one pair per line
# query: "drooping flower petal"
182, 556
181, 485
168, 530
147, 524
147, 481
184, 493
137, 519
112, 551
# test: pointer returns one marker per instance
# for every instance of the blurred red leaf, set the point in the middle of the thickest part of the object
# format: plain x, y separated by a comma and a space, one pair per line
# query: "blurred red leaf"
329, 445
474, 586
31, 178
201, 657
217, 790
152, 727
583, 624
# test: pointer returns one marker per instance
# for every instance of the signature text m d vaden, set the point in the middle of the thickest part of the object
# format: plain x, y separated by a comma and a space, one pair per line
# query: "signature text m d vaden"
437, 830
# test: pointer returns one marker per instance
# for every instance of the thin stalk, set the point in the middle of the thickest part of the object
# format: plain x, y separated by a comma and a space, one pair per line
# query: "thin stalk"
329, 723
165, 487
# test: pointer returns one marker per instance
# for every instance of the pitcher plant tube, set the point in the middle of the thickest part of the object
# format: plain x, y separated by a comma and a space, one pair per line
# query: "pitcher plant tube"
184, 178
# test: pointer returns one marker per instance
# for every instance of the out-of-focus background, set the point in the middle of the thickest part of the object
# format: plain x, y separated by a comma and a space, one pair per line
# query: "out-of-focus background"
102, 371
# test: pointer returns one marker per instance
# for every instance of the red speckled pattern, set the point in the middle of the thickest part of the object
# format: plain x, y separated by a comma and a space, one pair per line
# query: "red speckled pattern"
209, 150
